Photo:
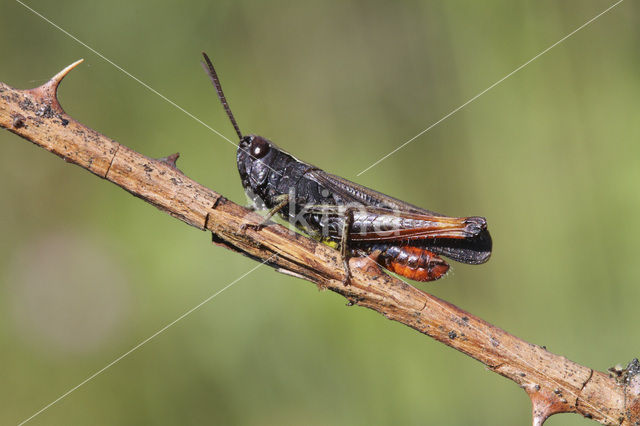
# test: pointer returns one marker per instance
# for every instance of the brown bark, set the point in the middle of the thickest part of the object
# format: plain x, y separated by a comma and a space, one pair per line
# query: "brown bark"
554, 383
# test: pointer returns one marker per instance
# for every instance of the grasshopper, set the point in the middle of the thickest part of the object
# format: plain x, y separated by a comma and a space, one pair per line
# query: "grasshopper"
357, 220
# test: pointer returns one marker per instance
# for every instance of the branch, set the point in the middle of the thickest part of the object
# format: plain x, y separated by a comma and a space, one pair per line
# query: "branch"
554, 383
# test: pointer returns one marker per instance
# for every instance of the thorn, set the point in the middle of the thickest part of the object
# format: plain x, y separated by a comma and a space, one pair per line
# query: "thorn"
170, 160
47, 93
545, 403
55, 81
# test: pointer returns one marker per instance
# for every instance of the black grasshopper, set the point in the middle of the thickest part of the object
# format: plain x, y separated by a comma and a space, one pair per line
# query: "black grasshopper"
403, 238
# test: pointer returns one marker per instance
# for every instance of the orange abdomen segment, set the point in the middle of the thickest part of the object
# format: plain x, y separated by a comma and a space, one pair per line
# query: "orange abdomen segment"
415, 263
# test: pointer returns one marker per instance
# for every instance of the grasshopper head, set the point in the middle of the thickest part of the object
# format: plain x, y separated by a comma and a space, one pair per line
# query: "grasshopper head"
255, 156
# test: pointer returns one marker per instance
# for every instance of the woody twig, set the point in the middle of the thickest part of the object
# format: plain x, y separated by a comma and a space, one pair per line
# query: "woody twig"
554, 383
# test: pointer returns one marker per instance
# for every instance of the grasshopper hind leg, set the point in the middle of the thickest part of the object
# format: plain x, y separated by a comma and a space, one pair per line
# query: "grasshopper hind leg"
344, 245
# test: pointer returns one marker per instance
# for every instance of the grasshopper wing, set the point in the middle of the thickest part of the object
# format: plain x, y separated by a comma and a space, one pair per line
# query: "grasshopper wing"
346, 192
380, 218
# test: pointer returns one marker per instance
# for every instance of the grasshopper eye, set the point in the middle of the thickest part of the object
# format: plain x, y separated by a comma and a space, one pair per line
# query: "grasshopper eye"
259, 147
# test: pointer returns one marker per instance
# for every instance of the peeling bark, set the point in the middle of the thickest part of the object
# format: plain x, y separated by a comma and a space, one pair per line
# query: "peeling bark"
554, 383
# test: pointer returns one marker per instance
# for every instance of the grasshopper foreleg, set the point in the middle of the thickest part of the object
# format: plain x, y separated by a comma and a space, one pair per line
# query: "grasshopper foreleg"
281, 200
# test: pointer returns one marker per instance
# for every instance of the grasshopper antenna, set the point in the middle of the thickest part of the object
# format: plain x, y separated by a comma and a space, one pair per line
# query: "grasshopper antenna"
211, 72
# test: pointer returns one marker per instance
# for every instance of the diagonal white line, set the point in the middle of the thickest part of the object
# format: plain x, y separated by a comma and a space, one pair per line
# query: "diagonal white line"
446, 308
228, 140
88, 379
129, 74
91, 377
491, 87
140, 81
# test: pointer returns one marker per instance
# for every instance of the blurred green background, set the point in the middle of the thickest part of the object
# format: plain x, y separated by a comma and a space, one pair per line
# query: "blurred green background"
550, 156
